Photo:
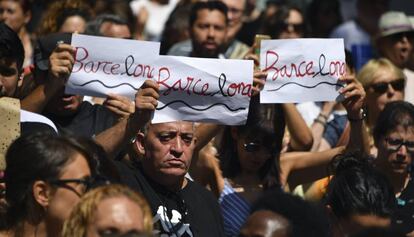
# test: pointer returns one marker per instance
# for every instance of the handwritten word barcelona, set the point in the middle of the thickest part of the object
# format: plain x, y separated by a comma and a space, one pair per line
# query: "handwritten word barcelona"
303, 69
190, 85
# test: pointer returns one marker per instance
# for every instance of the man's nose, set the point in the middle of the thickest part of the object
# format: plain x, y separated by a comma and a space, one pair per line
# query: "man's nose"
211, 32
402, 150
177, 147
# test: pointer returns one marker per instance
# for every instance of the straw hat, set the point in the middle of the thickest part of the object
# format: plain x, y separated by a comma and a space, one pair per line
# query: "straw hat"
393, 22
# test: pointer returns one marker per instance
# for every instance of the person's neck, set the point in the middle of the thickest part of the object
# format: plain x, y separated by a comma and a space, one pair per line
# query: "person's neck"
33, 230
398, 181
23, 34
247, 178
172, 184
199, 55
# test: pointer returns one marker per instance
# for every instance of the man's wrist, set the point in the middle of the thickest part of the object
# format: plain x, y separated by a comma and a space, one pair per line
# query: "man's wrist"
357, 117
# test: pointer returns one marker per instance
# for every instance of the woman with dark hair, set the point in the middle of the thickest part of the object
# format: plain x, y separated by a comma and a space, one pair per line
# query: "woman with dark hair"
249, 157
45, 177
286, 23
394, 139
358, 196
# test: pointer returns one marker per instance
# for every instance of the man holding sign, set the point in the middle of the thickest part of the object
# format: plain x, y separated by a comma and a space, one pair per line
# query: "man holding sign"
180, 207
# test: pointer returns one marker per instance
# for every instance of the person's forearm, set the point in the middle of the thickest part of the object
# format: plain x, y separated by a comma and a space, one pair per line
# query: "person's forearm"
317, 132
37, 99
300, 135
359, 137
115, 138
205, 132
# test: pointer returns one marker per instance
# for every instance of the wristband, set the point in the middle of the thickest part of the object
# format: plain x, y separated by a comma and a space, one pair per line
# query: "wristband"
317, 120
323, 116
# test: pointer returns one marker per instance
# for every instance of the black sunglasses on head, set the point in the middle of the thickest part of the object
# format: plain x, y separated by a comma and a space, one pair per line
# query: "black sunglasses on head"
382, 87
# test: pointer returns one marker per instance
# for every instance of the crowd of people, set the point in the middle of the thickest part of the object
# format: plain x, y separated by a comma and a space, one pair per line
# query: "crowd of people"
73, 165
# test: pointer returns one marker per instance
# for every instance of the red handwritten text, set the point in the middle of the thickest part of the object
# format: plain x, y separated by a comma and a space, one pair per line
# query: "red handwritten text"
302, 69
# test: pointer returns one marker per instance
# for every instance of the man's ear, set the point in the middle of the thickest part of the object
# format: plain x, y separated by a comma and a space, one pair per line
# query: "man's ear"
41, 193
139, 144
27, 17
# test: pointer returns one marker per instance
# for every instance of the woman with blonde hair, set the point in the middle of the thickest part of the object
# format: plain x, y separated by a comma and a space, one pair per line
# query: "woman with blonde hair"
383, 83
112, 210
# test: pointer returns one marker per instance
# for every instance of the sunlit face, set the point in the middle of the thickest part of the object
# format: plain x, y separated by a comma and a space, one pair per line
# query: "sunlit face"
65, 197
392, 155
293, 26
110, 29
265, 223
73, 24
252, 154
116, 216
376, 101
13, 15
397, 48
208, 33
8, 78
168, 150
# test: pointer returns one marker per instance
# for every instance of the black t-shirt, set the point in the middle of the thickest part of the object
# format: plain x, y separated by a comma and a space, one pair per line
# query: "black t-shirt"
89, 121
403, 218
193, 211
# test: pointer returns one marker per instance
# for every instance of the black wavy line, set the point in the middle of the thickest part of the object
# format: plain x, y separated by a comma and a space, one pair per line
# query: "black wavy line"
309, 87
100, 82
196, 109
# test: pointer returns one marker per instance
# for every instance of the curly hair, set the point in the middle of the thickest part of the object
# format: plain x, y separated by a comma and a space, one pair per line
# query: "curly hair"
59, 11
82, 215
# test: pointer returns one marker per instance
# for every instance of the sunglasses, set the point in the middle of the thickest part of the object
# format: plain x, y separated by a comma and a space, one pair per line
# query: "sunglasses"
300, 28
87, 183
395, 144
400, 36
382, 87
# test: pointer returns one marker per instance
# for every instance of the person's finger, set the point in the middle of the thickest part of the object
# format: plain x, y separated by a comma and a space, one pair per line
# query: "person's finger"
65, 47
117, 111
149, 92
150, 84
121, 105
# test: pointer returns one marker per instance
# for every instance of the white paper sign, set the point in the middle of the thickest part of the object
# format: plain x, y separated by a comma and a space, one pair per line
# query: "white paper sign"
104, 65
204, 90
301, 70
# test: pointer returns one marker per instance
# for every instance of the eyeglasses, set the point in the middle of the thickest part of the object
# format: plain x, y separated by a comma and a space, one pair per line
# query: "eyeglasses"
395, 144
382, 87
299, 28
87, 183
